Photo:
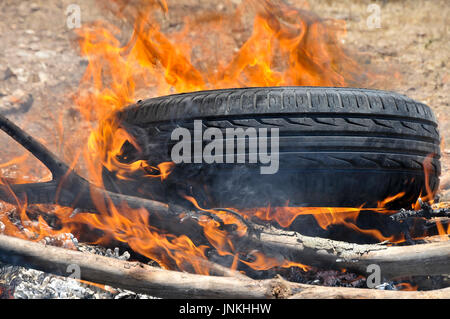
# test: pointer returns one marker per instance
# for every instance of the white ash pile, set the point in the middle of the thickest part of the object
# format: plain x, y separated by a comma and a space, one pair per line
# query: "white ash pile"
23, 283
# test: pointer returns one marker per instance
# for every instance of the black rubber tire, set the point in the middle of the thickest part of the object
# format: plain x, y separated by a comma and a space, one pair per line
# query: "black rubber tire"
339, 147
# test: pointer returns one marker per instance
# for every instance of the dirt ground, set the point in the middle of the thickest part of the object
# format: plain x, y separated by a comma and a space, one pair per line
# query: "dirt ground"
40, 60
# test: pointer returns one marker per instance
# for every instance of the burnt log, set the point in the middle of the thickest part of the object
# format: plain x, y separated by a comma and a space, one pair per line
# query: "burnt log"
394, 261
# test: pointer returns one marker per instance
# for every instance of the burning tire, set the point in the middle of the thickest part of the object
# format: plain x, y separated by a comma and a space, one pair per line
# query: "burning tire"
338, 147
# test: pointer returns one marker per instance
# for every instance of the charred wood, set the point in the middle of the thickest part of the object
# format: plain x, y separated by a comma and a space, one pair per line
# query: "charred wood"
394, 261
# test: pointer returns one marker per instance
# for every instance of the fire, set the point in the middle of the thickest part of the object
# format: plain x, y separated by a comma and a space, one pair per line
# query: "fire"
406, 286
222, 242
428, 167
326, 216
287, 46
262, 262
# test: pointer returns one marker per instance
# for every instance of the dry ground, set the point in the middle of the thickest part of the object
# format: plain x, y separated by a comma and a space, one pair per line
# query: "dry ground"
39, 57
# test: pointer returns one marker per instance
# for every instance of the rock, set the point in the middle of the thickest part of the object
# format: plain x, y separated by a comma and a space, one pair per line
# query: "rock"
44, 54
18, 102
35, 46
25, 8
7, 74
17, 95
34, 7
20, 73
43, 77
445, 182
445, 197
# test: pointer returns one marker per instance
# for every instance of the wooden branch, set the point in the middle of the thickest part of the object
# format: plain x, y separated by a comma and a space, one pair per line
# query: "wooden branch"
221, 271
426, 211
317, 292
67, 188
394, 261
171, 284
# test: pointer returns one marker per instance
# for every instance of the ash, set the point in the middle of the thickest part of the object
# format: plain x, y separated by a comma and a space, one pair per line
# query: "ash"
23, 283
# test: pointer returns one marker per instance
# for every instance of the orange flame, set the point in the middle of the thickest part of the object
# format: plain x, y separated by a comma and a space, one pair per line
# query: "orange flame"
263, 262
287, 46
406, 286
